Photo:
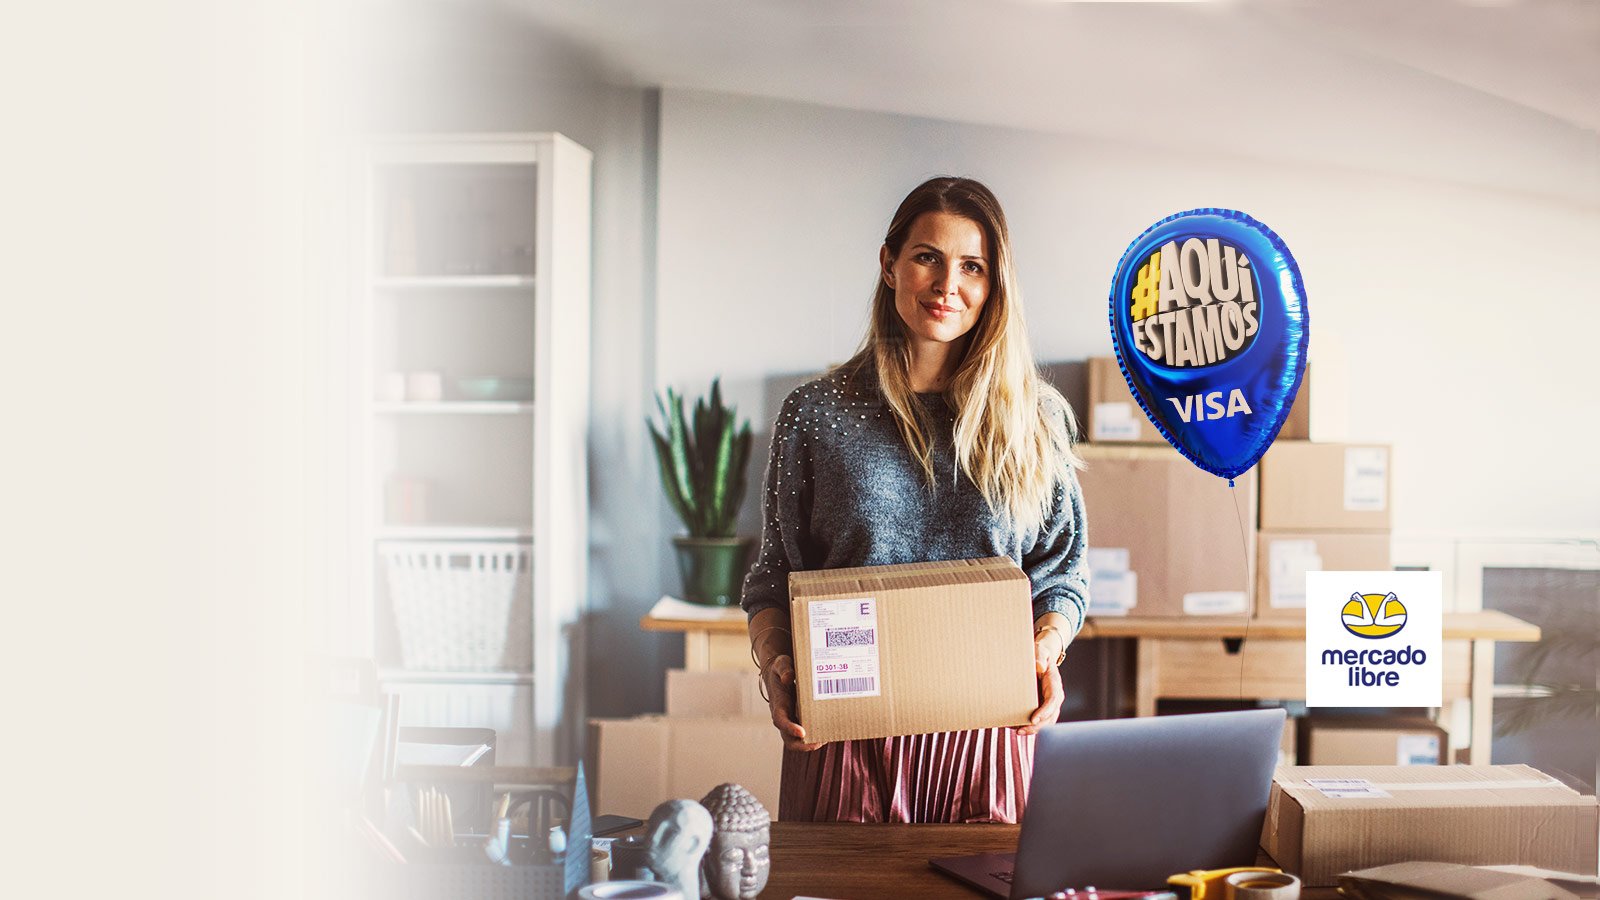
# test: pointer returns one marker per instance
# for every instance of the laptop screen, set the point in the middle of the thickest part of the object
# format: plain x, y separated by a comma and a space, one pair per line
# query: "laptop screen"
1124, 803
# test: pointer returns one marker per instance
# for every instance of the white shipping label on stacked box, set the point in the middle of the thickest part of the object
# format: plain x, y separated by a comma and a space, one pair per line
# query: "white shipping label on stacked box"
1288, 563
1366, 479
1115, 422
1113, 590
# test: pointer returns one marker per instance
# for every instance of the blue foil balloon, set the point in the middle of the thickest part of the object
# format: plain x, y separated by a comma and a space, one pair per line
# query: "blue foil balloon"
1209, 320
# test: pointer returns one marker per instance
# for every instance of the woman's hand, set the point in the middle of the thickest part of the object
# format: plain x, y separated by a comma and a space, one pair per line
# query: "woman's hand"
1046, 648
777, 677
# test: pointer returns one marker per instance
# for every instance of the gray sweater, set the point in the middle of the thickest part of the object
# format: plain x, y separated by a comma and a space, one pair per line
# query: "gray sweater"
843, 490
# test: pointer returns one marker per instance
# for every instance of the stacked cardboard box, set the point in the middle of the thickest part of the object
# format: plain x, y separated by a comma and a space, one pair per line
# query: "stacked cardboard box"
1323, 507
716, 729
1392, 740
1162, 536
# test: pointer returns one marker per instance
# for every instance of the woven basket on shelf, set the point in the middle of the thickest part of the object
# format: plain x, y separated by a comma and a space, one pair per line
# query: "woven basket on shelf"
461, 606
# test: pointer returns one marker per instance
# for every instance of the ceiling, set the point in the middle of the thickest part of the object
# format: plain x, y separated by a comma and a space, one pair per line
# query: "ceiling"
1422, 81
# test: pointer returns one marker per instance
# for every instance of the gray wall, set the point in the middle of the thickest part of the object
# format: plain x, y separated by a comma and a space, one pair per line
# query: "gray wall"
1433, 297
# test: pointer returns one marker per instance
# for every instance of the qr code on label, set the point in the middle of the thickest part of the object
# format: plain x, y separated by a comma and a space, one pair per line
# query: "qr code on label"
851, 637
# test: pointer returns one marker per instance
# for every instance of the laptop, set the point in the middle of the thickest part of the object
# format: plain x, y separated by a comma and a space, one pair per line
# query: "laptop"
1121, 804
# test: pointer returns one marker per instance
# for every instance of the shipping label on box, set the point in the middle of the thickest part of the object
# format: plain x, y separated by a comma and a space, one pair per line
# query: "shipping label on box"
1117, 421
1113, 589
844, 648
1366, 479
1325, 820
1345, 788
913, 648
1287, 564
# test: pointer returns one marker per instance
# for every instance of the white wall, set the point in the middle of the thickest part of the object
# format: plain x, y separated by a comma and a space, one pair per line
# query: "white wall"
1457, 306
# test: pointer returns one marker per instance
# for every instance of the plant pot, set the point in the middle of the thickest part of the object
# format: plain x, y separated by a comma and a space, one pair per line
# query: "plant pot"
713, 569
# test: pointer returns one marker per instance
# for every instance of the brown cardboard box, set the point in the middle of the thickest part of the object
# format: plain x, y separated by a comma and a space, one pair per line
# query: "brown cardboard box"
715, 694
1372, 741
1476, 815
1115, 416
1174, 528
1325, 487
1326, 381
1283, 558
909, 649
642, 761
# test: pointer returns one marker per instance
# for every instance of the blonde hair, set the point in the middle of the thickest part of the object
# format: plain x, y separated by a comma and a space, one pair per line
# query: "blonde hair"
1013, 431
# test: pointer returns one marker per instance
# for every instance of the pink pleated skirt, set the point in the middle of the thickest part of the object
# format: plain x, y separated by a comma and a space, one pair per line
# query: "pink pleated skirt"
958, 776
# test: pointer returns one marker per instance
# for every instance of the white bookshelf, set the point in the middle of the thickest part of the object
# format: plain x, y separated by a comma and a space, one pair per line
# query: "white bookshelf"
476, 263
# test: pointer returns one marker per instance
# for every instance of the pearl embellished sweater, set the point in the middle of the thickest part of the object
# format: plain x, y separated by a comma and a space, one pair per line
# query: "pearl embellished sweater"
842, 489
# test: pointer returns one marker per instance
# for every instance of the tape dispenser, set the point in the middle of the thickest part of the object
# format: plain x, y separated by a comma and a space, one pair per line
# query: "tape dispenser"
1217, 884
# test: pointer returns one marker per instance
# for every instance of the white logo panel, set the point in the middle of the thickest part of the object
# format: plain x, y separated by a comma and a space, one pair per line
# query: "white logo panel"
1374, 638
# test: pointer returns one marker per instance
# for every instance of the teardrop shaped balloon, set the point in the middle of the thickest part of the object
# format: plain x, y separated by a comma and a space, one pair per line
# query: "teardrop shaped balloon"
1209, 320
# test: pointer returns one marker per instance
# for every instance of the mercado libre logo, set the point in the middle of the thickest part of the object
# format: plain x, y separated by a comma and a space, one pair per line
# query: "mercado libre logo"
1373, 615
1366, 646
1194, 303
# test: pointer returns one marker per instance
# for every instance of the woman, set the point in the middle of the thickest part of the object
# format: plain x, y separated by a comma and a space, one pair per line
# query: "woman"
937, 440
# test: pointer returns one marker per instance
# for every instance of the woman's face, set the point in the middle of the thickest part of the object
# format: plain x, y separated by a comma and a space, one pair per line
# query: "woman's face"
941, 277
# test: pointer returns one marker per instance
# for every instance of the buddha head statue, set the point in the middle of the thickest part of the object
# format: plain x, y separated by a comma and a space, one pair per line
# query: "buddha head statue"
737, 864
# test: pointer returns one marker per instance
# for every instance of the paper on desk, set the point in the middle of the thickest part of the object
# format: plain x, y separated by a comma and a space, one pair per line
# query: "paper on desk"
673, 608
409, 754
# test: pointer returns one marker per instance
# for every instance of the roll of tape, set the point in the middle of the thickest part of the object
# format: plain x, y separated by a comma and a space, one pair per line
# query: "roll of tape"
1262, 886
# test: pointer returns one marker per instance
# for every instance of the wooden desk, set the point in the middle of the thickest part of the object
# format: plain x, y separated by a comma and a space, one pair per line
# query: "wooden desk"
1200, 657
859, 862
1226, 657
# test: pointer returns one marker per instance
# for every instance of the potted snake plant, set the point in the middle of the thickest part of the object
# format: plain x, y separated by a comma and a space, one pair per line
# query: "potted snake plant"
703, 460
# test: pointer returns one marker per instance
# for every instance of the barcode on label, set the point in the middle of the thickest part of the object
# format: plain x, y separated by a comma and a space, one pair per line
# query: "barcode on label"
850, 637
845, 685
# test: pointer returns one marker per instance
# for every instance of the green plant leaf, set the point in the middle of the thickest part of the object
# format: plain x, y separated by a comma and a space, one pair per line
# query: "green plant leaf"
720, 486
704, 458
668, 481
682, 465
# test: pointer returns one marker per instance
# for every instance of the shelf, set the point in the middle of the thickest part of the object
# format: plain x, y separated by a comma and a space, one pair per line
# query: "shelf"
453, 533
435, 282
409, 676
474, 407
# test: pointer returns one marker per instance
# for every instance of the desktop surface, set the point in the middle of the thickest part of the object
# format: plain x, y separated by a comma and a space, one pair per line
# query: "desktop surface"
856, 862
